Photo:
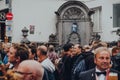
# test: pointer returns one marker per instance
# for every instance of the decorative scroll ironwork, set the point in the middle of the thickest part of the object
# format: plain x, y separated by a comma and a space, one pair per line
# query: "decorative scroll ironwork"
74, 38
73, 13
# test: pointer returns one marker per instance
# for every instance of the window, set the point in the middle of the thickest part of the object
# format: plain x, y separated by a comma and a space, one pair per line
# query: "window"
96, 19
7, 1
116, 15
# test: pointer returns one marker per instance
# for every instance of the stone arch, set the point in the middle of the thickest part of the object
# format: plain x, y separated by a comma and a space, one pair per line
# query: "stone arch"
73, 12
72, 3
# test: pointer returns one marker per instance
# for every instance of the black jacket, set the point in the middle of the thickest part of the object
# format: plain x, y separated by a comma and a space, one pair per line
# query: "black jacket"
89, 60
90, 74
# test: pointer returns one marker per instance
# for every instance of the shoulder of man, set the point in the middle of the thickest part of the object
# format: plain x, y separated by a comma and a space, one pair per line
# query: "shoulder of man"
88, 71
87, 74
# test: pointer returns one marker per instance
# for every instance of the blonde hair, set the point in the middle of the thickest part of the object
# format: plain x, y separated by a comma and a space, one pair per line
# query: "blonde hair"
100, 49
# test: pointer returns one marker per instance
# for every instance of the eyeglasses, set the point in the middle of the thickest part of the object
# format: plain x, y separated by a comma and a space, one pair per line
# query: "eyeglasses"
23, 73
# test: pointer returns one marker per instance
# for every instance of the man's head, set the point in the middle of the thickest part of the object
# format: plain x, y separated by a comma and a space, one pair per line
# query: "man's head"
29, 70
115, 50
87, 48
32, 52
42, 49
102, 58
118, 43
41, 52
17, 54
78, 48
51, 48
68, 48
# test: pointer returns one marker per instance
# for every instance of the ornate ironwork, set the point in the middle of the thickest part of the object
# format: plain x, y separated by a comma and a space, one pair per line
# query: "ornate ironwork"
73, 13
74, 38
53, 40
25, 34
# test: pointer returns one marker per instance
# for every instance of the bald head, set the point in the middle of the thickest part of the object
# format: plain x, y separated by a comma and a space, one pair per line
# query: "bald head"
42, 49
32, 69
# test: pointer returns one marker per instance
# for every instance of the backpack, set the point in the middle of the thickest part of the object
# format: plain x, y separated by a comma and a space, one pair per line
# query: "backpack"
48, 75
78, 67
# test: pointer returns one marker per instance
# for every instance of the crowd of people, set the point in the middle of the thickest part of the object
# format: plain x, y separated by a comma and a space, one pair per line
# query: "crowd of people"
96, 61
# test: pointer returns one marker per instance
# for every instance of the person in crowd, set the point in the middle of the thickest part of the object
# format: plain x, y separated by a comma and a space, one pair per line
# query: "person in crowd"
78, 62
33, 44
29, 70
45, 61
103, 70
94, 44
116, 58
118, 43
115, 50
52, 55
6, 50
84, 62
5, 62
99, 44
87, 48
24, 45
77, 49
32, 52
2, 52
65, 64
17, 54
88, 57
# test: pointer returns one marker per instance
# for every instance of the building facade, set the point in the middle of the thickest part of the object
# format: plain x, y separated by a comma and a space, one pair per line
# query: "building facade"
71, 21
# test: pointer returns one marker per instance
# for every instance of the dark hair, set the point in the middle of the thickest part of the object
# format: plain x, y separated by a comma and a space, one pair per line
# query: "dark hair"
114, 49
33, 49
67, 46
43, 52
80, 47
21, 51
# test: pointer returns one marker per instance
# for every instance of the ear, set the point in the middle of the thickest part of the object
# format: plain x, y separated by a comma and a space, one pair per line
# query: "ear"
18, 59
95, 60
34, 54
